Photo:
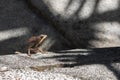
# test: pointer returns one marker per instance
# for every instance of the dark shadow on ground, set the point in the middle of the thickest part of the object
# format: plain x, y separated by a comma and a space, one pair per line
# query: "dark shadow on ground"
84, 27
80, 32
16, 14
11, 45
105, 56
13, 16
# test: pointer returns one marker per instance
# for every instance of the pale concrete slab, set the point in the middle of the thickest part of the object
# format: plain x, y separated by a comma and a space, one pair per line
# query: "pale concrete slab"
85, 64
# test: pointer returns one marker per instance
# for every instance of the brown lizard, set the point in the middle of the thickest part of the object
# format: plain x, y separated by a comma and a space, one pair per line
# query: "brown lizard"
34, 43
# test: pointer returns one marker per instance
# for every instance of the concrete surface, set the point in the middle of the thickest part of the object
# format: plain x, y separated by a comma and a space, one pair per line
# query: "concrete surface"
85, 23
68, 24
33, 75
85, 64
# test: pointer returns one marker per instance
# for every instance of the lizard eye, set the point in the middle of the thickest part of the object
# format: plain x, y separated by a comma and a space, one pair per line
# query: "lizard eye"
42, 36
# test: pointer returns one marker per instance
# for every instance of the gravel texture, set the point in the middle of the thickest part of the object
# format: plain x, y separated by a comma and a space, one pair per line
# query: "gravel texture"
92, 64
88, 72
33, 75
23, 60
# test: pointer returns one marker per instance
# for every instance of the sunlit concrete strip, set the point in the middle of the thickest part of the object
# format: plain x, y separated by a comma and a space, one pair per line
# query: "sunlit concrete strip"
107, 5
87, 9
64, 8
107, 33
57, 6
11, 33
112, 28
73, 7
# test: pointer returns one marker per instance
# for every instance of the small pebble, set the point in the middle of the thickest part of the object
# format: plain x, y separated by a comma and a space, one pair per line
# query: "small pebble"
2, 69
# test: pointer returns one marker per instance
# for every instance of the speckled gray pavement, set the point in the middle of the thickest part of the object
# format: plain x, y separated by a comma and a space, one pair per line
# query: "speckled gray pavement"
34, 75
18, 22
84, 64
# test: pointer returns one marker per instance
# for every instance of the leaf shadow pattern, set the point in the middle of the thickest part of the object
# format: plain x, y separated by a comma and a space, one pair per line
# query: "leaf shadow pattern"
82, 30
104, 56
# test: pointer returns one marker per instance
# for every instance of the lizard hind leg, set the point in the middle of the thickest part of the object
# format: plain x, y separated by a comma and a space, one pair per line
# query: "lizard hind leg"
29, 52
